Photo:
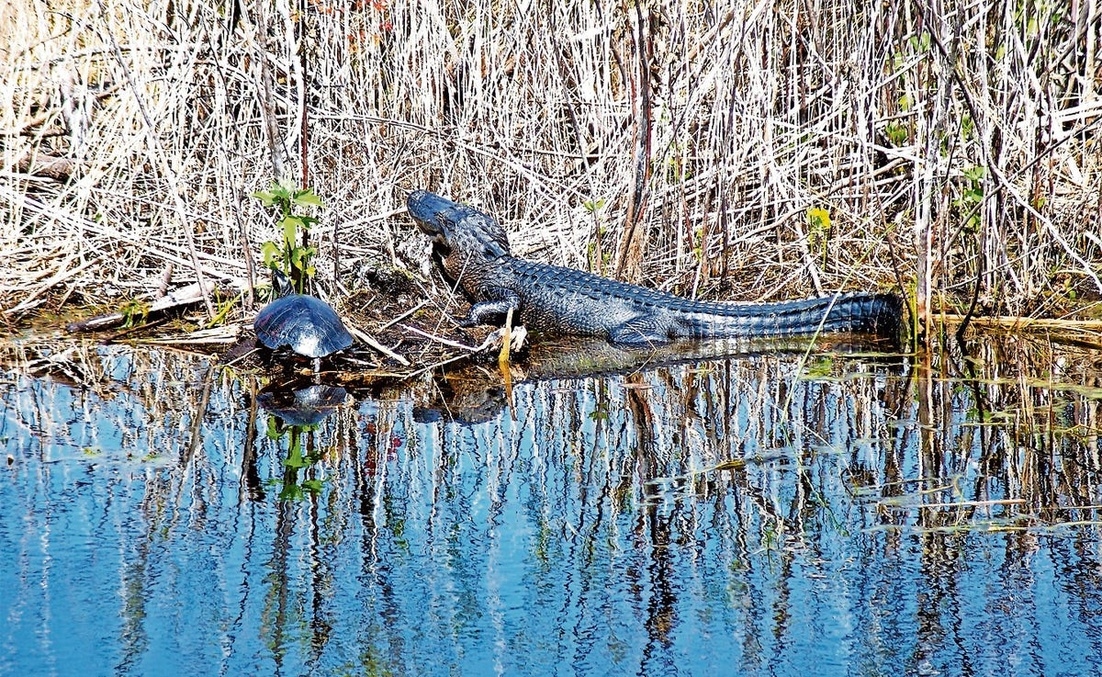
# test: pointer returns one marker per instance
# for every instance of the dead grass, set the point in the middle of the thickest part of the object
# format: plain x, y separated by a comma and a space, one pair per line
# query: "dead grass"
667, 143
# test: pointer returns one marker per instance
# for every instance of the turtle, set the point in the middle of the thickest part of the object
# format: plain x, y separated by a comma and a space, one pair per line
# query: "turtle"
303, 323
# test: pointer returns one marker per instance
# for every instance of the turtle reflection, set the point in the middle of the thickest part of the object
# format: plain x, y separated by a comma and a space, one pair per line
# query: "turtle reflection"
296, 411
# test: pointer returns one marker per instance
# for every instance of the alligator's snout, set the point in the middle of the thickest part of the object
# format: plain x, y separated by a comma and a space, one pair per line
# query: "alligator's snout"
429, 210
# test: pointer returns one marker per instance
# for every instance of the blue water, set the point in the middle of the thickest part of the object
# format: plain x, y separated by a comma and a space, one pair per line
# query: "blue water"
727, 517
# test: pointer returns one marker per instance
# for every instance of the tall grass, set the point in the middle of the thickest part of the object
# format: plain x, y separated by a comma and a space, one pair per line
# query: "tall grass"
743, 150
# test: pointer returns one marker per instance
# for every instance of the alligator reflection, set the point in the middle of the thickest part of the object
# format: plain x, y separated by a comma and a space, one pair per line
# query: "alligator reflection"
640, 449
472, 393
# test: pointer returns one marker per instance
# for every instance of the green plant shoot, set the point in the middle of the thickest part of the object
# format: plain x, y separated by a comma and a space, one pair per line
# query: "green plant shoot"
293, 255
818, 221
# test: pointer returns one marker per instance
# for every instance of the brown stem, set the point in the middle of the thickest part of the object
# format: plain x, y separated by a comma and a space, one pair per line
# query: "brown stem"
635, 236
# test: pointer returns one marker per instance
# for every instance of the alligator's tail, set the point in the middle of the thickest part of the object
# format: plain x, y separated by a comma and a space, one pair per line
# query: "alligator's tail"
880, 314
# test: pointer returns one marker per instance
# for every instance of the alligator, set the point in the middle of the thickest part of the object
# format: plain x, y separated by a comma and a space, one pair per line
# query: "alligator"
472, 250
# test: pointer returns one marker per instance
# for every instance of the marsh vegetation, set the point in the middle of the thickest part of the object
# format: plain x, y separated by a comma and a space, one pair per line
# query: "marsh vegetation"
743, 150
779, 508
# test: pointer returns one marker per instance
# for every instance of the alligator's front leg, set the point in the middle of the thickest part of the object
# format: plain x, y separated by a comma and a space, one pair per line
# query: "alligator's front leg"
494, 309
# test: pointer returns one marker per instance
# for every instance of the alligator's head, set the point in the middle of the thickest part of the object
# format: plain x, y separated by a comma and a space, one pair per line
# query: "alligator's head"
457, 229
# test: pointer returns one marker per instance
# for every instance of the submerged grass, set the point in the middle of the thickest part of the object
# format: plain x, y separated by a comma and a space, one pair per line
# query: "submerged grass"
749, 150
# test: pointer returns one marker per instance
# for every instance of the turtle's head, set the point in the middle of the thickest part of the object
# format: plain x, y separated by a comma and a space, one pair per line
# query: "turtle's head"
456, 227
281, 284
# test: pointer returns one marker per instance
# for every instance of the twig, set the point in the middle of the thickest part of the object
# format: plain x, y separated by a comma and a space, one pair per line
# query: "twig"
403, 316
370, 341
441, 340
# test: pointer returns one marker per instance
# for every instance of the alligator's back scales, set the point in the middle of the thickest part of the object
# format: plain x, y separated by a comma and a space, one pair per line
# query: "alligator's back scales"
472, 249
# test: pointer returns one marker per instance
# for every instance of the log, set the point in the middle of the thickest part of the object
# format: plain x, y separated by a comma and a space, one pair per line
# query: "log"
184, 296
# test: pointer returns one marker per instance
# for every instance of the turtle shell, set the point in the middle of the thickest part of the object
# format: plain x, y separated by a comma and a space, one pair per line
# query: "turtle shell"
302, 323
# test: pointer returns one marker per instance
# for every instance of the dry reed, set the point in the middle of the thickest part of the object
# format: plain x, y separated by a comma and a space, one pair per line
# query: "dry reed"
744, 150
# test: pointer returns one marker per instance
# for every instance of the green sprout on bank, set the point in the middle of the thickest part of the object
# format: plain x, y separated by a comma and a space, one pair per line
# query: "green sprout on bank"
293, 255
971, 198
134, 312
897, 134
598, 260
818, 235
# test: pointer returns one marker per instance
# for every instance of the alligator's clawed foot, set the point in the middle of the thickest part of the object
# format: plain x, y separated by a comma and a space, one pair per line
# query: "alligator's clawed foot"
517, 338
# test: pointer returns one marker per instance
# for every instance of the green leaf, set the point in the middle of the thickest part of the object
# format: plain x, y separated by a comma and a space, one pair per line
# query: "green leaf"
270, 250
291, 225
291, 492
975, 173
267, 199
818, 368
593, 206
896, 133
273, 431
134, 311
307, 198
281, 190
819, 218
294, 458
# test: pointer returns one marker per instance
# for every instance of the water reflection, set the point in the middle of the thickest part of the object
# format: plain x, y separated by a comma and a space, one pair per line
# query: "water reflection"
301, 404
763, 513
295, 410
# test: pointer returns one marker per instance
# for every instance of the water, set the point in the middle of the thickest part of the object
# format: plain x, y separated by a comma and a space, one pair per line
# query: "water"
750, 515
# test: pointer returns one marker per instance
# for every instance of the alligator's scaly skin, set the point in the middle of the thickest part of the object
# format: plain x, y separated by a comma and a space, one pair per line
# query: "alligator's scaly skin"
473, 249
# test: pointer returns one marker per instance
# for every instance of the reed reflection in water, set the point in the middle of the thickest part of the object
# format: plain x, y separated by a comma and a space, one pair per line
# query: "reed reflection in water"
708, 518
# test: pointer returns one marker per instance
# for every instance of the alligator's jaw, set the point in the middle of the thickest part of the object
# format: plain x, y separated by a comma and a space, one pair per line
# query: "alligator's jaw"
429, 212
